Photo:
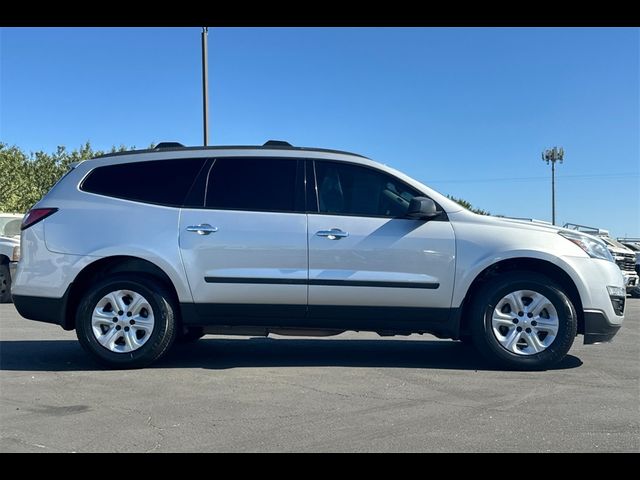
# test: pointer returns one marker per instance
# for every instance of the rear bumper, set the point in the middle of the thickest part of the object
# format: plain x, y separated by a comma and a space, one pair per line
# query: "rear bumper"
597, 329
44, 309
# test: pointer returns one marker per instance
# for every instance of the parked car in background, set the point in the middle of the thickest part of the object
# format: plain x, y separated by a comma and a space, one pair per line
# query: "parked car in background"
633, 244
625, 258
9, 251
137, 250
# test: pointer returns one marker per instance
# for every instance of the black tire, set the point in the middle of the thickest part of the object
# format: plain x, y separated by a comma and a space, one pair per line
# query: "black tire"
5, 284
492, 292
164, 329
190, 335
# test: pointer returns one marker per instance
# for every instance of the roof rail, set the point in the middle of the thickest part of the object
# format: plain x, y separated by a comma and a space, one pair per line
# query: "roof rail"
276, 143
163, 145
629, 239
268, 146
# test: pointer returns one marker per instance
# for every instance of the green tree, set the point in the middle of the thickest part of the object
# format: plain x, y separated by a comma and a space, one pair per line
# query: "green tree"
468, 206
24, 179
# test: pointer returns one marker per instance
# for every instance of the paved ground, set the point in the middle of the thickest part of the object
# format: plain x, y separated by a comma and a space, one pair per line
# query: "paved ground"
354, 392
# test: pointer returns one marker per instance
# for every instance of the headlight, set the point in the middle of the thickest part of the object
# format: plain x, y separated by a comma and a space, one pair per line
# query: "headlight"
616, 291
15, 255
592, 246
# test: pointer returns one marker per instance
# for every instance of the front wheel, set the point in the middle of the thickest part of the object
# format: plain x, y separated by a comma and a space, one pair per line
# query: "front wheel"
523, 320
126, 321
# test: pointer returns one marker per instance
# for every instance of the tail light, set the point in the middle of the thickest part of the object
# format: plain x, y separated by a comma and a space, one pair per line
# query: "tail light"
35, 215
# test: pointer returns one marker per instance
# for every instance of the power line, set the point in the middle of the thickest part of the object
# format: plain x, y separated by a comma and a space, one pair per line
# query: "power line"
538, 179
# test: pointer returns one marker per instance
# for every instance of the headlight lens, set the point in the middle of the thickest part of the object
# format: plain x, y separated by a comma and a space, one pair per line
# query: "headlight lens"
592, 246
616, 291
15, 255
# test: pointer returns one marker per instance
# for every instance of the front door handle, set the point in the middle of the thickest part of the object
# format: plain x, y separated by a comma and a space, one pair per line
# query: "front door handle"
202, 229
333, 234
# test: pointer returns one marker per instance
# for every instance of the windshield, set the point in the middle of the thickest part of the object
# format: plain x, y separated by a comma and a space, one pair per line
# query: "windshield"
614, 243
632, 246
10, 226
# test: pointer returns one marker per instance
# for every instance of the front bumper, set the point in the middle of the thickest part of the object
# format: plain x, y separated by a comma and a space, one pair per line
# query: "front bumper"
597, 329
631, 280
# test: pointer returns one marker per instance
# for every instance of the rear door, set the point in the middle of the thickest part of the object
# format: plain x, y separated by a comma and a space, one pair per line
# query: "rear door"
245, 248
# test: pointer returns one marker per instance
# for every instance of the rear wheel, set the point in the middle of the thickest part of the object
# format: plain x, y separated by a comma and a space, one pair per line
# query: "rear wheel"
126, 321
5, 284
523, 320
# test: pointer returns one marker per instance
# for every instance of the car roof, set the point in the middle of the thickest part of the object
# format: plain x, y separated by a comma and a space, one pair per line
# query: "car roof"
267, 147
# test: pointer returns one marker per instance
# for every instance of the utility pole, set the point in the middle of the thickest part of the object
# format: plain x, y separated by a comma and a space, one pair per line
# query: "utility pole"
553, 155
205, 85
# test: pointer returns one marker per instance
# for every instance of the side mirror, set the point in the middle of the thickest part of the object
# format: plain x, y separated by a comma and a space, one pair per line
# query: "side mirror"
422, 208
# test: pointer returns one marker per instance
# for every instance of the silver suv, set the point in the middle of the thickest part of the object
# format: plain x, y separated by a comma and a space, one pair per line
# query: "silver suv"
137, 250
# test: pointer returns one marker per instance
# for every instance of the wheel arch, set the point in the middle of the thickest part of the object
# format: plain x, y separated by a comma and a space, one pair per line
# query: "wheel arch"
103, 267
537, 265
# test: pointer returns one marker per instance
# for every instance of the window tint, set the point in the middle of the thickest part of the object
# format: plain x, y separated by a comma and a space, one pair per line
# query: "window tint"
354, 190
164, 182
267, 184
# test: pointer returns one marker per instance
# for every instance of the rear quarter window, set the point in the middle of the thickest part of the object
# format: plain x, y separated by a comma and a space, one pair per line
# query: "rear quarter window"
162, 182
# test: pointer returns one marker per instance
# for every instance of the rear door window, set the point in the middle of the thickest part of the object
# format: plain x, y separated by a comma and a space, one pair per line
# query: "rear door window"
255, 184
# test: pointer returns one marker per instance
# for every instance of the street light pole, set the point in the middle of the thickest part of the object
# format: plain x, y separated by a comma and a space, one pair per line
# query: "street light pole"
205, 86
552, 156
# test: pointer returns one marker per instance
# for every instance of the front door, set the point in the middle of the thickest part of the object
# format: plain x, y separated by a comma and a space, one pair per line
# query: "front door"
366, 262
245, 250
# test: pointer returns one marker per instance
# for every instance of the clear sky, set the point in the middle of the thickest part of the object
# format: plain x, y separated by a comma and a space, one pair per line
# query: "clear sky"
465, 110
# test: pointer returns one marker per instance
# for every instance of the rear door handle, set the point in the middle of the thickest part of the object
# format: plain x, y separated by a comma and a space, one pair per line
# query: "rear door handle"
333, 234
202, 229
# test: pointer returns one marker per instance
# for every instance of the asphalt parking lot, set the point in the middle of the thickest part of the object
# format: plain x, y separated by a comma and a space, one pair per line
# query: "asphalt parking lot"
354, 392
